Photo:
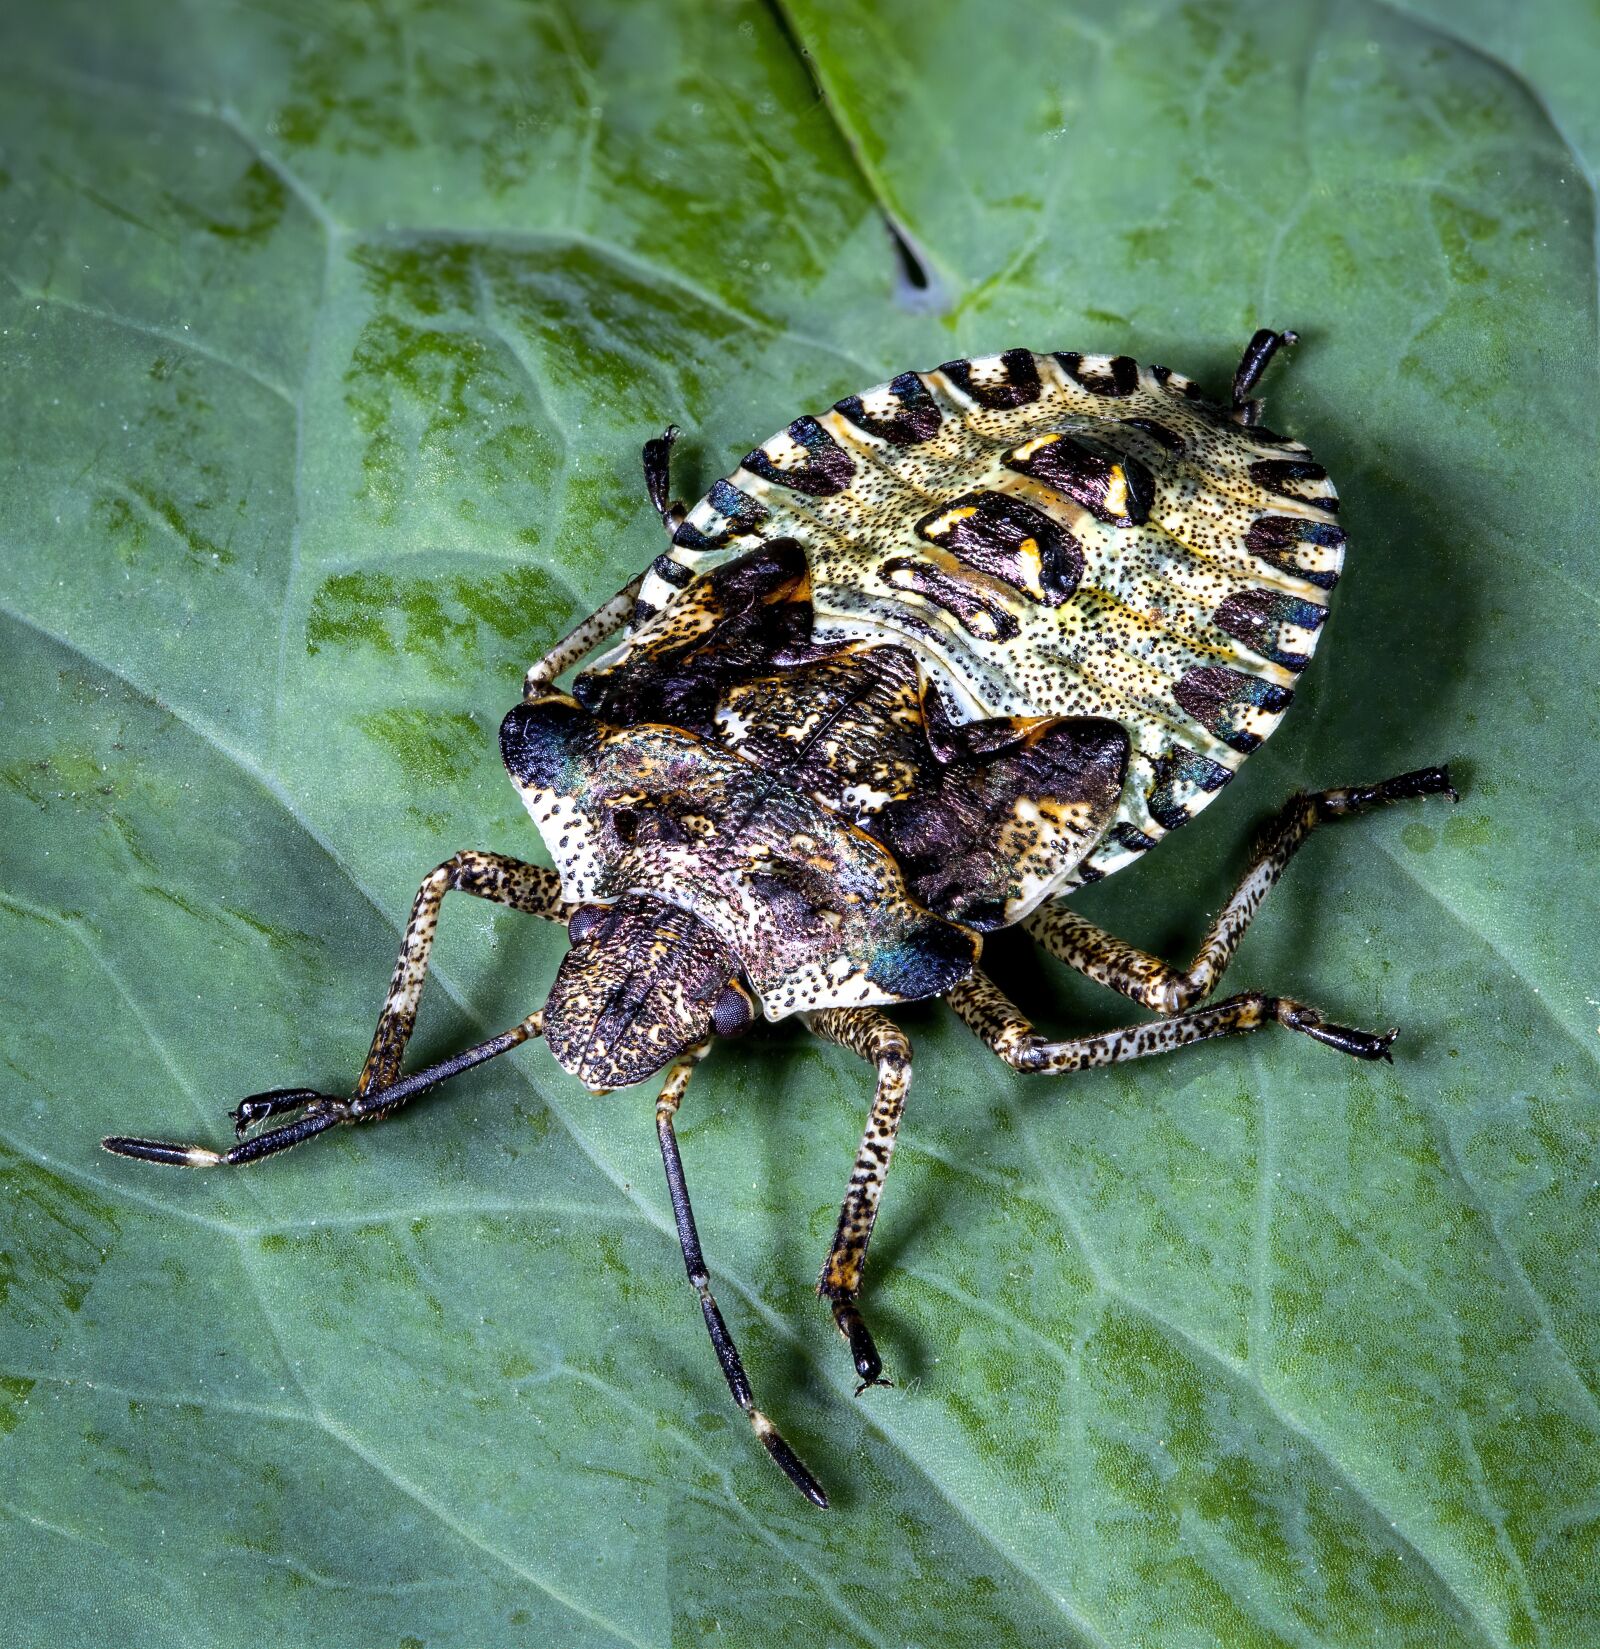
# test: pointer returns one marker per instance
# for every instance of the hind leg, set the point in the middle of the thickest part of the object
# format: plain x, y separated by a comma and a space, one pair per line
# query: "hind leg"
583, 638
658, 479
605, 621
1261, 348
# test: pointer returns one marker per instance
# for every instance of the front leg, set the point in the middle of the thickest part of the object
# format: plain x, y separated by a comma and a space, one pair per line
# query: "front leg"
381, 1090
529, 888
868, 1033
316, 1112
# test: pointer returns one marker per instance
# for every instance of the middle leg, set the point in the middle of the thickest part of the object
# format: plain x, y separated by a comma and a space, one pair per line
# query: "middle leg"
1110, 961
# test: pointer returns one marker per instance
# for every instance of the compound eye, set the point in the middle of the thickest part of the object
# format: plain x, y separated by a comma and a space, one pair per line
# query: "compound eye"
733, 1011
585, 919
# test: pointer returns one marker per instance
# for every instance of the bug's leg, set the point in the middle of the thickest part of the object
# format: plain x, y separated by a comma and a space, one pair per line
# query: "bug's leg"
1164, 989
607, 620
380, 1090
583, 638
1261, 348
318, 1112
658, 479
694, 1261
506, 881
882, 1043
990, 1014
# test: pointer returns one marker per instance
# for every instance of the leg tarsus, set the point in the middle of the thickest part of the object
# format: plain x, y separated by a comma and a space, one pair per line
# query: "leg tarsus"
658, 478
1296, 1016
863, 1348
1357, 798
1252, 363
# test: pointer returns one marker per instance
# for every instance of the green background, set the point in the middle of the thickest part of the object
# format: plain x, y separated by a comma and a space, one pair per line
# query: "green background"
328, 338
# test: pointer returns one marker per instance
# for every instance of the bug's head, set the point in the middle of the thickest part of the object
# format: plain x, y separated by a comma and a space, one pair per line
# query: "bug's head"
713, 880
644, 982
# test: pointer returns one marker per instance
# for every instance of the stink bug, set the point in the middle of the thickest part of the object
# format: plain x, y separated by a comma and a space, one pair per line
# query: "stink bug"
915, 671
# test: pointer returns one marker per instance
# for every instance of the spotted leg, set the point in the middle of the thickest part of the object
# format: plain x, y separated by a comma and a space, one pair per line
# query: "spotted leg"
528, 888
879, 1040
605, 621
1261, 348
991, 1015
1164, 989
582, 638
694, 1261
380, 1090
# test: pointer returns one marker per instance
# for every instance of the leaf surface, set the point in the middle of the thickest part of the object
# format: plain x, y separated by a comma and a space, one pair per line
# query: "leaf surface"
329, 340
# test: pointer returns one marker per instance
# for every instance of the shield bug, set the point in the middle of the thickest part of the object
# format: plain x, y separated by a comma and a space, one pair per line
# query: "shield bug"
916, 670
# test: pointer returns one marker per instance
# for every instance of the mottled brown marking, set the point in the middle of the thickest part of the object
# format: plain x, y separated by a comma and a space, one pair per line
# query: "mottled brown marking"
985, 836
635, 991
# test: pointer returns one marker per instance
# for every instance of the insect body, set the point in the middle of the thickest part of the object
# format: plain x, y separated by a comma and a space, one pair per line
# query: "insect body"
915, 671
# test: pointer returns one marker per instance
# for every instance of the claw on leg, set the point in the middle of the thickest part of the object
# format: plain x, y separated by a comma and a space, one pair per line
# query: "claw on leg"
258, 1108
319, 1111
863, 1349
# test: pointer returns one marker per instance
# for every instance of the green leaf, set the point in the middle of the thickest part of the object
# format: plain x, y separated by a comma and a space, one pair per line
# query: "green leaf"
329, 339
